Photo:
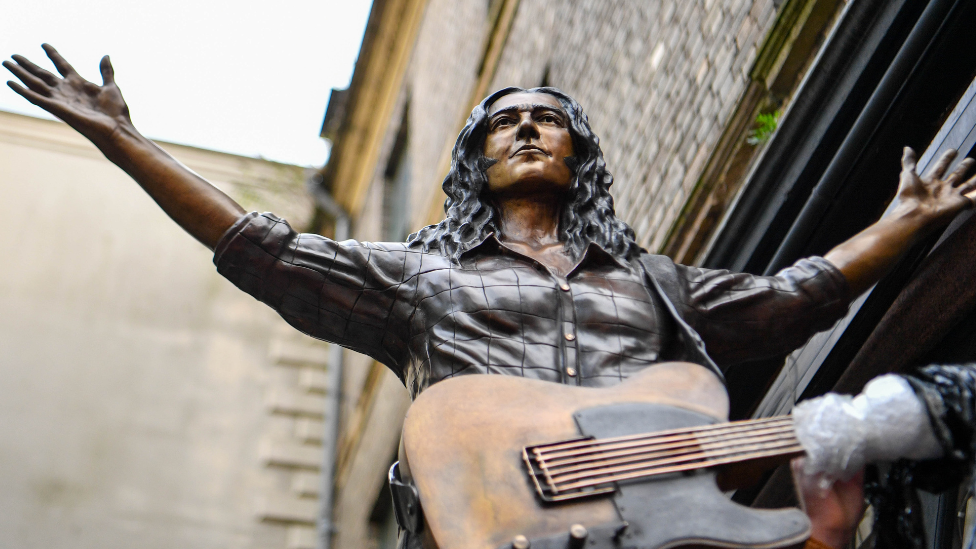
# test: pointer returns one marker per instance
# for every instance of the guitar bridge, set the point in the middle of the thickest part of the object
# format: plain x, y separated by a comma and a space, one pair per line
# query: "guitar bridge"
540, 472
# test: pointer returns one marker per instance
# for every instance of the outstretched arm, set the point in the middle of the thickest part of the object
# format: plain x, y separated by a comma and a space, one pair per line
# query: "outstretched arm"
101, 115
921, 205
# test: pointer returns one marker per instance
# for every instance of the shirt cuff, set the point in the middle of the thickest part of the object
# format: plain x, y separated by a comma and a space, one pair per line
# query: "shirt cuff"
837, 278
229, 234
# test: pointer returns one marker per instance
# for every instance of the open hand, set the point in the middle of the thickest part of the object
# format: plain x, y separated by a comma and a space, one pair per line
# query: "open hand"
96, 112
935, 197
100, 114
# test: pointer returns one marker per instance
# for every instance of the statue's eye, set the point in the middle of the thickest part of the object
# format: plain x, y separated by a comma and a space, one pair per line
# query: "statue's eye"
550, 118
502, 122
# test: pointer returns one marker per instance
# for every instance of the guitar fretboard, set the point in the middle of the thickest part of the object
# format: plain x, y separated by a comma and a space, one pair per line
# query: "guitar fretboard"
586, 467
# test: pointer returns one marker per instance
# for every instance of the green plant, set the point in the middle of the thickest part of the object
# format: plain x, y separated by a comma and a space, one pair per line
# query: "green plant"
765, 126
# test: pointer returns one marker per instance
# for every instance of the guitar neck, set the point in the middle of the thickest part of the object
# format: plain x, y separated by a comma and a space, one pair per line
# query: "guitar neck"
585, 467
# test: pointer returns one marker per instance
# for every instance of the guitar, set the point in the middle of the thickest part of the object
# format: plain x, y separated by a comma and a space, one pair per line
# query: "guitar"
512, 463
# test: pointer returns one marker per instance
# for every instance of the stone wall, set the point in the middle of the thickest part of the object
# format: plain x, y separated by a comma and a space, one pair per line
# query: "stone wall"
145, 401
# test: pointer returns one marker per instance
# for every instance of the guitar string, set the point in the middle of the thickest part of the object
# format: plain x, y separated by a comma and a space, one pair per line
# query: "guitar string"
687, 466
612, 450
572, 447
796, 449
653, 444
577, 444
629, 463
660, 451
602, 446
700, 460
654, 450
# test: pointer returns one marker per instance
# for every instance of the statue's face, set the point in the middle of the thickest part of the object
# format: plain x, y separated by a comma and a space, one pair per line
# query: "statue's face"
529, 139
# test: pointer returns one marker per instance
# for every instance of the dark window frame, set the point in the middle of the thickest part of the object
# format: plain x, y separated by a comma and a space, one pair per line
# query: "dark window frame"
890, 74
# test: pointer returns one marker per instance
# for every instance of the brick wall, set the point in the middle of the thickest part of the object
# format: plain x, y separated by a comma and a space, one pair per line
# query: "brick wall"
439, 84
658, 79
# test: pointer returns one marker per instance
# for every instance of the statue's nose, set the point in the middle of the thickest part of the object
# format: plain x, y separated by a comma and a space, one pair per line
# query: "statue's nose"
527, 128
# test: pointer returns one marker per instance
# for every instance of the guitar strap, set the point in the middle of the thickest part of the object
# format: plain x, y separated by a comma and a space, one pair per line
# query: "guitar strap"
662, 277
406, 502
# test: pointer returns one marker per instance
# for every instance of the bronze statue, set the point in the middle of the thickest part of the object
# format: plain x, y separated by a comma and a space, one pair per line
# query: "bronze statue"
530, 274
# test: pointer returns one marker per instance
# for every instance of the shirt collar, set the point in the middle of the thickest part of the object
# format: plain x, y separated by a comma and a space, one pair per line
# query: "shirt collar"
486, 242
595, 253
489, 244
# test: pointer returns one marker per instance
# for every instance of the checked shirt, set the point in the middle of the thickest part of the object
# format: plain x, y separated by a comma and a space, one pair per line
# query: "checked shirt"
499, 312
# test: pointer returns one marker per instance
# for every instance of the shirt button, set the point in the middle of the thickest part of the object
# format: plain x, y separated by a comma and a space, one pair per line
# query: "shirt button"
564, 287
570, 337
571, 372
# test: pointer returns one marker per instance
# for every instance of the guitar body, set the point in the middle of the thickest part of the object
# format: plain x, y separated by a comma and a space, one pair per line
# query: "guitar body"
463, 440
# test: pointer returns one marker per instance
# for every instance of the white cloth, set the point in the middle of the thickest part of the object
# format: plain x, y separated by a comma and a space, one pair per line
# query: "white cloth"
886, 422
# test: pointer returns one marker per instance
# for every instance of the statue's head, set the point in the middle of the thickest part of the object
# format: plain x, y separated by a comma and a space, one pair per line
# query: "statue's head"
587, 213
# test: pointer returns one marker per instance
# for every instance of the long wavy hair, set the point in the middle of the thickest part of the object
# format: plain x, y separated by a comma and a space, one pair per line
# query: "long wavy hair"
587, 216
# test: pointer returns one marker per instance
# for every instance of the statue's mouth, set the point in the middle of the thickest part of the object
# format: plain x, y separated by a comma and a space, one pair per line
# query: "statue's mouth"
529, 149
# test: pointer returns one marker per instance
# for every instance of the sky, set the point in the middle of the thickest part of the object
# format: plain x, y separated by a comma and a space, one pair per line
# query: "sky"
247, 77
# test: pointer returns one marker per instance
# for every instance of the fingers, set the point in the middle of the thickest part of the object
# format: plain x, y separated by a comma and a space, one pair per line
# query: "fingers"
63, 66
943, 164
972, 198
35, 98
968, 185
34, 83
959, 173
908, 160
44, 75
968, 188
108, 72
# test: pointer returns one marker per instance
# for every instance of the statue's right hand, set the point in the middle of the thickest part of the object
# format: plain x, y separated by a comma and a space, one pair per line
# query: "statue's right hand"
96, 112
100, 114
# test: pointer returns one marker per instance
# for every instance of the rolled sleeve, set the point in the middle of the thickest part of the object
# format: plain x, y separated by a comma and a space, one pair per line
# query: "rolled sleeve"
355, 294
742, 317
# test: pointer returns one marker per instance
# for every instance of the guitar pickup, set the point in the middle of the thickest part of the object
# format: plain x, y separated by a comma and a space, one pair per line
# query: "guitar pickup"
540, 470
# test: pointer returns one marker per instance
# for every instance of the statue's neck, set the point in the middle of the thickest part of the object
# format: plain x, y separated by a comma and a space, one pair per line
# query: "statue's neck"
530, 220
530, 226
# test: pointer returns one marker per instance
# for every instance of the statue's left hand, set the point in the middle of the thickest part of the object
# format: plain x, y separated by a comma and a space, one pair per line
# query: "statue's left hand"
96, 112
922, 204
934, 198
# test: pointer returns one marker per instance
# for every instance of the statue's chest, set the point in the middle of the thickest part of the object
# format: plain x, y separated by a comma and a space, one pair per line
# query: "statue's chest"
521, 310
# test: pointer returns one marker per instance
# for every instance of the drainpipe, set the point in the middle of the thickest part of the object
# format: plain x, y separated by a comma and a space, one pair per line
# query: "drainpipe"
333, 389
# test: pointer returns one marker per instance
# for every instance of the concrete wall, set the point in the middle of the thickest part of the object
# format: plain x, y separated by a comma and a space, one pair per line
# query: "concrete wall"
144, 401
